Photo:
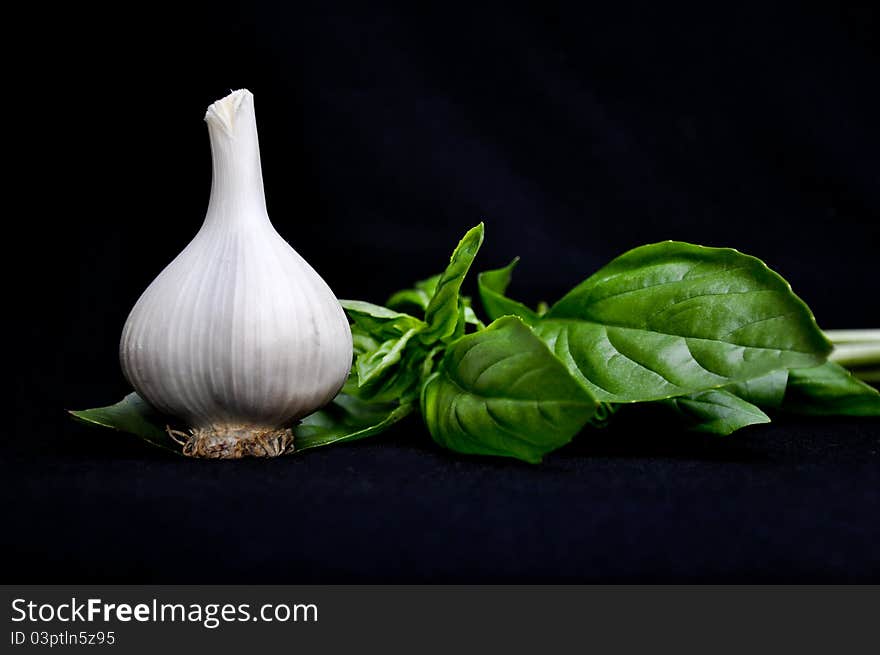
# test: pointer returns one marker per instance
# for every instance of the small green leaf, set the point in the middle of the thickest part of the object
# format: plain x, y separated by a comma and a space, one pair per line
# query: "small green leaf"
132, 414
370, 365
347, 419
470, 317
492, 286
500, 391
379, 322
443, 312
417, 298
829, 390
715, 411
397, 383
387, 358
362, 342
671, 319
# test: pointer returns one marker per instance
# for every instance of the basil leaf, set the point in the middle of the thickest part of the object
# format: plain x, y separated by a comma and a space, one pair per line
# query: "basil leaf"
443, 312
829, 390
132, 414
470, 317
387, 358
390, 373
417, 298
362, 342
670, 319
492, 286
715, 411
501, 392
370, 365
379, 322
397, 383
765, 391
347, 419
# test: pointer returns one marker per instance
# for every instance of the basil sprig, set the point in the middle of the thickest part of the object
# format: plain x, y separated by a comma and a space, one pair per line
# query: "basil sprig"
709, 336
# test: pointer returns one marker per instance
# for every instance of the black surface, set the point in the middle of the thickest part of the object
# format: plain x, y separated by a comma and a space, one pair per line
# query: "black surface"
788, 503
575, 133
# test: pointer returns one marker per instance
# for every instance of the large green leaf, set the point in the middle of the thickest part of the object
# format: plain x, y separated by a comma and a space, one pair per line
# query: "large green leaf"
492, 286
444, 314
715, 411
671, 319
501, 391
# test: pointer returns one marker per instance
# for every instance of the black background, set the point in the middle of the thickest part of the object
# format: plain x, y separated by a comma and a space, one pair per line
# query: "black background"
575, 132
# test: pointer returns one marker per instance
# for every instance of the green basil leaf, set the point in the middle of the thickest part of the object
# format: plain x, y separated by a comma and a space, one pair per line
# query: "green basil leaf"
429, 285
765, 391
409, 300
470, 317
371, 365
132, 414
829, 390
443, 312
715, 411
347, 419
461, 324
362, 342
670, 319
492, 286
417, 298
379, 322
429, 362
500, 391
397, 383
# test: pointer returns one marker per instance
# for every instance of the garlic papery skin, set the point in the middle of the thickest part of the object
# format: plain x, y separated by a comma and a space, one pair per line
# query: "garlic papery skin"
238, 336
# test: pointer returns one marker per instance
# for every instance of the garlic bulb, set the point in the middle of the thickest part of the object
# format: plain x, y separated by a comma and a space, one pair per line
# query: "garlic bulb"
238, 336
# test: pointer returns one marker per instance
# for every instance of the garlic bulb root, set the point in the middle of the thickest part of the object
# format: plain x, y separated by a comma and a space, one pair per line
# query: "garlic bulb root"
231, 442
